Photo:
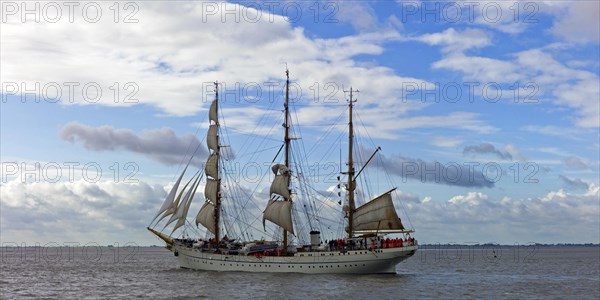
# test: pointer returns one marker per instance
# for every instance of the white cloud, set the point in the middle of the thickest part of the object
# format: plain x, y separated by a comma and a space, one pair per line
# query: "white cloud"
80, 211
507, 16
386, 122
457, 41
576, 21
583, 97
574, 184
387, 119
557, 216
480, 69
552, 130
575, 163
515, 153
573, 21
473, 198
251, 120
186, 48
445, 142
107, 212
553, 151
359, 14
174, 67
567, 87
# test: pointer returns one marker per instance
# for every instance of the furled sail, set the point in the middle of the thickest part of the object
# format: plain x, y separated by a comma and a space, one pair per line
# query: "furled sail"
211, 165
280, 213
206, 217
210, 190
169, 201
212, 112
281, 181
188, 201
377, 214
212, 139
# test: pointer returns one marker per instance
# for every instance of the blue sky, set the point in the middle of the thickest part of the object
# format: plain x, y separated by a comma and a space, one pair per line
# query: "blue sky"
504, 85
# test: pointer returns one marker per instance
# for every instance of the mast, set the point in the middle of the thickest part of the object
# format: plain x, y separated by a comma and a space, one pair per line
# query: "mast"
280, 211
286, 125
218, 202
351, 183
210, 213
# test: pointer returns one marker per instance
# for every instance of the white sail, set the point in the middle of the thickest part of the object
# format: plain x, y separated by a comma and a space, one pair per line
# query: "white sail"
186, 208
280, 213
281, 181
210, 190
181, 207
212, 139
280, 186
377, 214
211, 166
173, 207
206, 217
212, 112
169, 201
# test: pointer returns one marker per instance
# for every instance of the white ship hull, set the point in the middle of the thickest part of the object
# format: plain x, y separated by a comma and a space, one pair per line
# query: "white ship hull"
378, 261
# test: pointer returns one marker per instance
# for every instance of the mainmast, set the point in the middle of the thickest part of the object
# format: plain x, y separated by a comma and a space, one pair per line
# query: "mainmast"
287, 139
351, 184
280, 211
218, 202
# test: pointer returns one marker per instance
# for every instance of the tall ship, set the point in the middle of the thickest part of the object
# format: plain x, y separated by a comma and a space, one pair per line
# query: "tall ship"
372, 239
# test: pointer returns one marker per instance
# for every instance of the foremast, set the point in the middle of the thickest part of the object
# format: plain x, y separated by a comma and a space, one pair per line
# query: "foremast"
217, 211
210, 213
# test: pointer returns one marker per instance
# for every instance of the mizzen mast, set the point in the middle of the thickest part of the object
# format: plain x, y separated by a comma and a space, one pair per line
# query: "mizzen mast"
351, 183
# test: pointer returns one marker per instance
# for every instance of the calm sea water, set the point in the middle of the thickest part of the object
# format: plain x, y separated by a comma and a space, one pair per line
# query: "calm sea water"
152, 272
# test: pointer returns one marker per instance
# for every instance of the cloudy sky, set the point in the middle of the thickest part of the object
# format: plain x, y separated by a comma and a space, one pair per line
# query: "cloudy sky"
487, 112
